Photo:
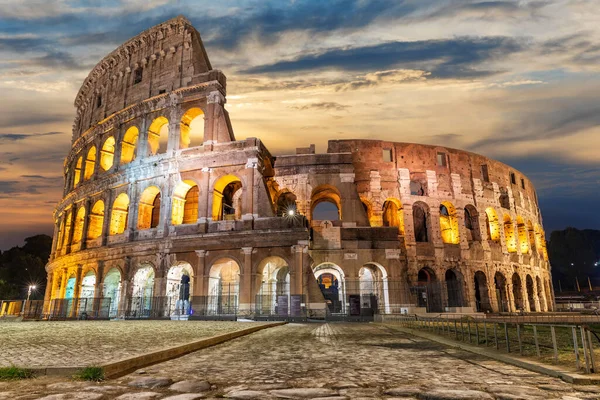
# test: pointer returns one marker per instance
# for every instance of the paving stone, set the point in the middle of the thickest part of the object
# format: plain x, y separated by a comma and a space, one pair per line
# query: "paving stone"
510, 392
403, 391
105, 388
73, 396
185, 396
303, 393
65, 385
247, 394
190, 386
150, 382
138, 396
555, 388
455, 394
587, 389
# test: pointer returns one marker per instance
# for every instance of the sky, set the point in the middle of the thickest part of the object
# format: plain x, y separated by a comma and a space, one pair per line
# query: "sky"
518, 81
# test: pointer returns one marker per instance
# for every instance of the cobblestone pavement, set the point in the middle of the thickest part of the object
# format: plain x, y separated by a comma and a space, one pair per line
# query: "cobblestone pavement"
334, 361
85, 343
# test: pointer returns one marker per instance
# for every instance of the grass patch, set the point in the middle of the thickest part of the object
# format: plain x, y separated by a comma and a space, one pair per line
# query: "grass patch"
14, 373
95, 374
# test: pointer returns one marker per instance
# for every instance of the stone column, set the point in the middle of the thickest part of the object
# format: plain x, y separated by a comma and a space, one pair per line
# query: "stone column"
132, 215
246, 283
98, 288
118, 150
297, 272
248, 202
86, 224
53, 254
77, 291
108, 199
433, 226
462, 229
69, 239
199, 288
48, 292
204, 211
63, 284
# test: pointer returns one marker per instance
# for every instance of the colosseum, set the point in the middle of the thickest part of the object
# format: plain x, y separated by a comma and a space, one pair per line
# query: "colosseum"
166, 215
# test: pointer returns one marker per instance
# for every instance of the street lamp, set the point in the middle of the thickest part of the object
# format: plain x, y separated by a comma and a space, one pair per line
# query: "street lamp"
29, 289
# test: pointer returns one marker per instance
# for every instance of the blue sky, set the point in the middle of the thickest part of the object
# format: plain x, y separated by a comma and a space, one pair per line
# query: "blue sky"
514, 80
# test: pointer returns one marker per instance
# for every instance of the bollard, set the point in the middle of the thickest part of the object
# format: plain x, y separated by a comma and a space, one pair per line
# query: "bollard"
535, 339
552, 331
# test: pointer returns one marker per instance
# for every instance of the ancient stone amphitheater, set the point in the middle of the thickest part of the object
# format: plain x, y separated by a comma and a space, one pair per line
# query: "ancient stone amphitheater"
159, 193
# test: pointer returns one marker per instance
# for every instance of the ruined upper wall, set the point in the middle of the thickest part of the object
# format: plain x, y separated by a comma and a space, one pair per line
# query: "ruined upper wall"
159, 60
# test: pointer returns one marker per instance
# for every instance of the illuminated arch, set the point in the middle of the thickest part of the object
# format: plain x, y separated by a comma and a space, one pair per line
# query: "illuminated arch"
472, 224
88, 286
158, 134
191, 134
128, 144
227, 198
449, 223
67, 229
493, 225
185, 203
107, 154
77, 175
523, 236
174, 290
112, 290
274, 275
327, 194
149, 208
78, 228
286, 203
223, 287
96, 220
90, 163
119, 213
393, 214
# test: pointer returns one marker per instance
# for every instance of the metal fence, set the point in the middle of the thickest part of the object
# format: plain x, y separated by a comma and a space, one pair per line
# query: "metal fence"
575, 345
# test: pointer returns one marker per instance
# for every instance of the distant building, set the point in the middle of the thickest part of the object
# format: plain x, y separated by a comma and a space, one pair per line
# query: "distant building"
370, 227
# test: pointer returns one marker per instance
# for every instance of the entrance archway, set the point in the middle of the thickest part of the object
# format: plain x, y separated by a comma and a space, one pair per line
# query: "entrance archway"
274, 295
179, 287
428, 290
224, 287
530, 293
373, 287
88, 284
454, 288
482, 296
501, 292
112, 290
331, 281
143, 288
517, 291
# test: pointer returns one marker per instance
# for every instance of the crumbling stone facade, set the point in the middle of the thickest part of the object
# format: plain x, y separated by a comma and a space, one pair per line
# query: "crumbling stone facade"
409, 227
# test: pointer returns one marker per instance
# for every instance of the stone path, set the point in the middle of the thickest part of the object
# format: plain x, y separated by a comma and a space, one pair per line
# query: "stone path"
317, 361
85, 343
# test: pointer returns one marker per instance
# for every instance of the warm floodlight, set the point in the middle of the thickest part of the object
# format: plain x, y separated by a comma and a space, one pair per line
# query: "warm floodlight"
291, 213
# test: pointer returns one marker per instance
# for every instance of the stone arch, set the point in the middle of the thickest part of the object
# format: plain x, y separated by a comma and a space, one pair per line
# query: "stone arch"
482, 296
393, 214
128, 144
192, 128
70, 288
273, 296
227, 200
421, 221
509, 234
368, 208
149, 208
88, 285
373, 287
472, 224
518, 292
96, 221
112, 289
530, 293
77, 174
185, 203
78, 227
325, 194
143, 290
107, 154
90, 163
158, 135
449, 223
522, 234
454, 288
332, 282
66, 230
285, 204
224, 286
178, 288
501, 292
492, 224
119, 214
428, 290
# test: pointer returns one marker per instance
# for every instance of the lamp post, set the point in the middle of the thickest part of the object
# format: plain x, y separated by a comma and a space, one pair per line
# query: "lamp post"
29, 289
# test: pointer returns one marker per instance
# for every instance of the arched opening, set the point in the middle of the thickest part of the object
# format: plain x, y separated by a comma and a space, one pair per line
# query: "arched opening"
143, 289
531, 235
286, 204
149, 208
185, 203
273, 297
538, 240
449, 223
530, 293
482, 296
373, 289
517, 292
90, 163
331, 200
368, 209
428, 290
119, 214
112, 290
224, 287
158, 136
523, 236
331, 281
192, 128
393, 214
107, 154
454, 288
179, 287
128, 145
472, 224
501, 292
227, 198
96, 221
509, 234
540, 294
77, 175
88, 286
70, 289
78, 228
492, 224
420, 216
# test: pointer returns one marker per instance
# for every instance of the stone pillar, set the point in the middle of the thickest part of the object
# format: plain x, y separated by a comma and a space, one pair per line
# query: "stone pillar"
77, 291
433, 226
98, 288
246, 283
248, 202
69, 239
462, 229
53, 254
118, 150
108, 199
48, 292
63, 284
86, 224
161, 270
297, 273
132, 215
199, 288
204, 211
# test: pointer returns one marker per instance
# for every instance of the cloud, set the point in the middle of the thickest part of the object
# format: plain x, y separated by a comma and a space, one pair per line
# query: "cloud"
444, 58
14, 137
325, 105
